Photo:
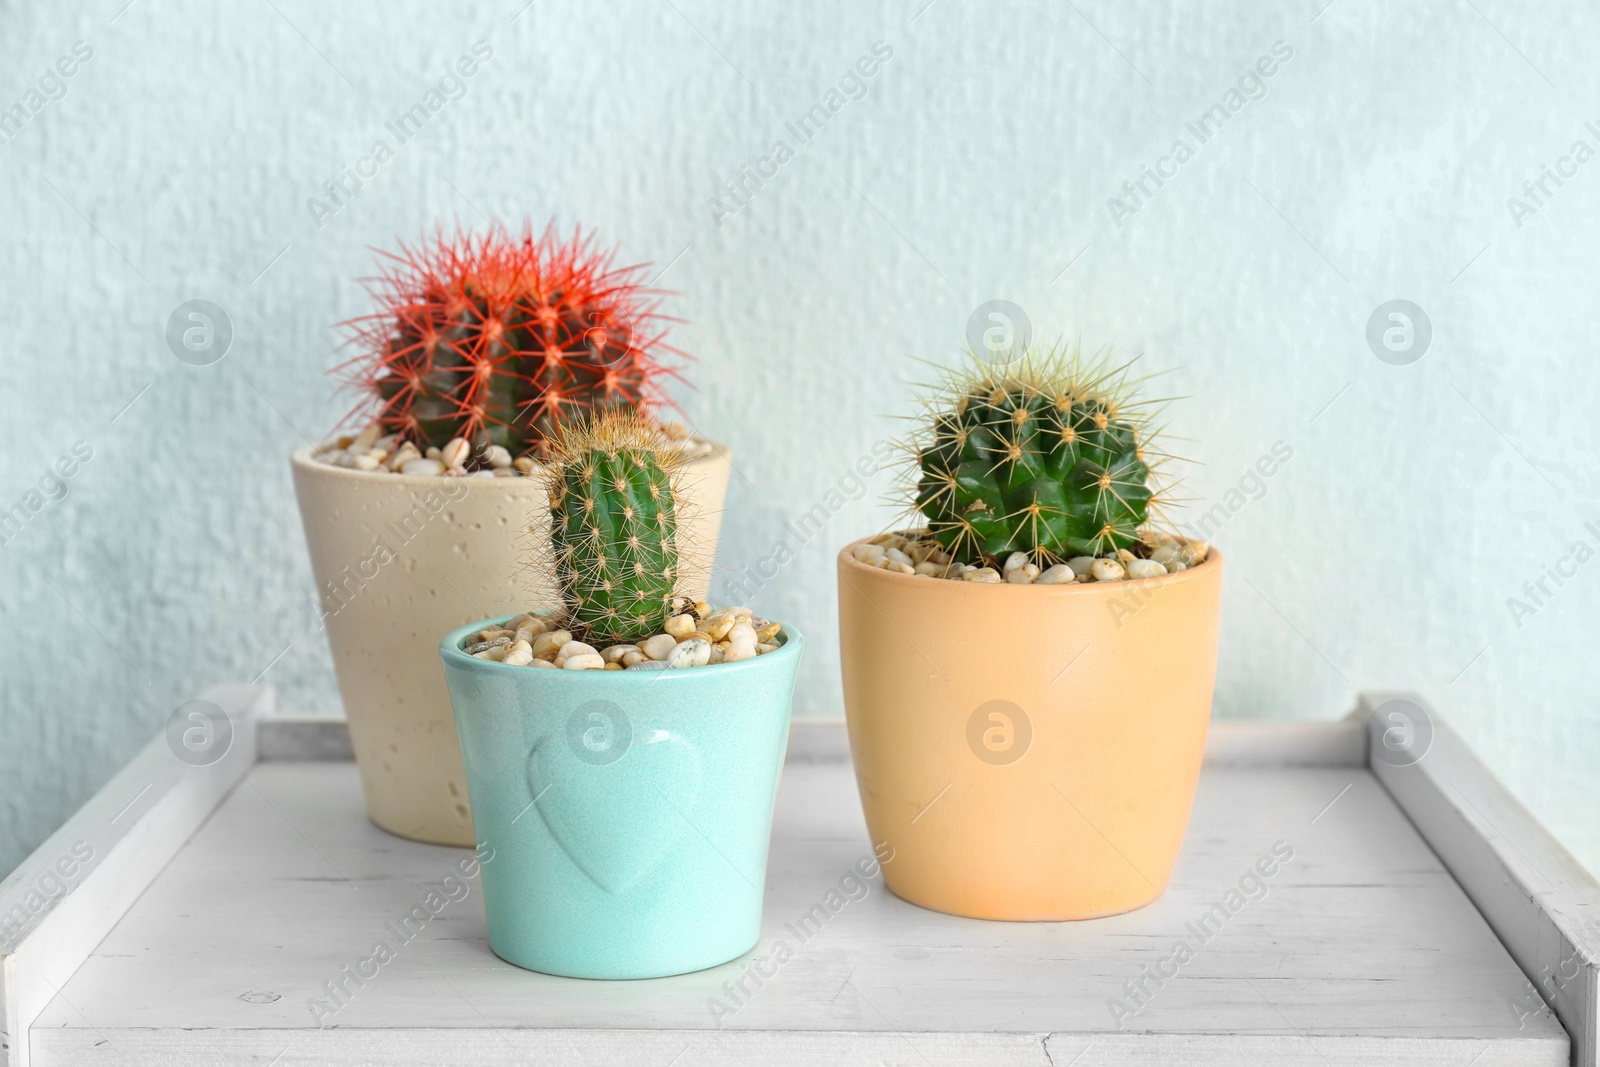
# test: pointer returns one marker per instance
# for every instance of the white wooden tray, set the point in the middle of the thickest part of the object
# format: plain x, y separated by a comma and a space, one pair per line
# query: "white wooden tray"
222, 914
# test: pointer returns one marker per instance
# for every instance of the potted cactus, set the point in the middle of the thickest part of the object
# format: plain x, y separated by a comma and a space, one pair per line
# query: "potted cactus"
478, 350
622, 751
1028, 673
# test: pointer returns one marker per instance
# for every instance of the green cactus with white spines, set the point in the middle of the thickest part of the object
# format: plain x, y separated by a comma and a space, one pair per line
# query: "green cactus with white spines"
1047, 455
616, 526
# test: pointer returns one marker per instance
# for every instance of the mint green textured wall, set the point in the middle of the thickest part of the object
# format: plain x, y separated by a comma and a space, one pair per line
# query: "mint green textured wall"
994, 152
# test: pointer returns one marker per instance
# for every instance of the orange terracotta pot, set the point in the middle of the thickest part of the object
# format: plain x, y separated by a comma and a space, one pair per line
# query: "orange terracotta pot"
1028, 752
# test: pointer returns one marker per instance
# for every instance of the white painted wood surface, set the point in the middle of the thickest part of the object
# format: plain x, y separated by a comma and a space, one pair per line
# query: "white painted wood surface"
63, 899
1543, 905
1361, 949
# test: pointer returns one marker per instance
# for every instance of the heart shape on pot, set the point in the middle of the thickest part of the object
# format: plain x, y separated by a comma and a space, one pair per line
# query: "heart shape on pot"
618, 818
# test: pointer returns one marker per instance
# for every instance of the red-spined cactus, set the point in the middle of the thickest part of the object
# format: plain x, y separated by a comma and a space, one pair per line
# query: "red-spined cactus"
501, 339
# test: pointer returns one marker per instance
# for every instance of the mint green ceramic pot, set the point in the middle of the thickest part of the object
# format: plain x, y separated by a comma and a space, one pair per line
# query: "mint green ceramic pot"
622, 816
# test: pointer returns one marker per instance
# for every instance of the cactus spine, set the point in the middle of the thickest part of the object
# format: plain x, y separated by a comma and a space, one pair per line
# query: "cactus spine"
1047, 455
502, 340
616, 525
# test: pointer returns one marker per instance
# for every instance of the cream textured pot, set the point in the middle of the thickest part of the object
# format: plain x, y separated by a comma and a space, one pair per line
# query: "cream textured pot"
402, 560
1028, 751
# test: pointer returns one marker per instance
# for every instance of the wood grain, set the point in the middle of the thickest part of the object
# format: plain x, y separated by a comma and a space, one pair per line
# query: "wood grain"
1540, 901
1361, 948
63, 899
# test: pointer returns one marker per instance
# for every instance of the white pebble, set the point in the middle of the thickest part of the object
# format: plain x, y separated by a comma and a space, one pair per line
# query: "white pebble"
523, 641
741, 643
680, 626
695, 652
1023, 575
366, 438
1164, 553
550, 641
982, 574
366, 462
1177, 565
1015, 560
1145, 568
1194, 552
1057, 575
1081, 564
869, 554
455, 453
497, 456
576, 648
658, 647
1106, 570
899, 557
422, 466
897, 567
